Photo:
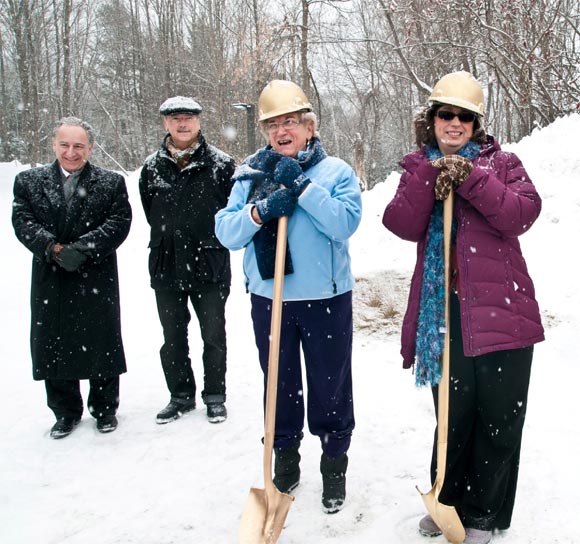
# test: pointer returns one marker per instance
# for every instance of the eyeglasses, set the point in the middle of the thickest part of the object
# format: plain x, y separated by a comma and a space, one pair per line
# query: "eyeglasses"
288, 124
463, 116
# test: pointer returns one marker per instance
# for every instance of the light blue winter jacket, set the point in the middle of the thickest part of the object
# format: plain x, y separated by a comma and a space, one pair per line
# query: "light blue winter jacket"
327, 215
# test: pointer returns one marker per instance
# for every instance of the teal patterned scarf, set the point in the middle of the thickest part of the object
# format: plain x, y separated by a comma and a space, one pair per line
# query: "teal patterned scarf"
431, 322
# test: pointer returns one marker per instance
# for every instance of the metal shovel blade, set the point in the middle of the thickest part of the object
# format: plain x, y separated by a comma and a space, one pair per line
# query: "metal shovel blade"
264, 516
444, 516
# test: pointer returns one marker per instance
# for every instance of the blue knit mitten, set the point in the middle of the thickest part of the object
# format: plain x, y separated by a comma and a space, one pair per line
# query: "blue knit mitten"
289, 173
280, 202
264, 160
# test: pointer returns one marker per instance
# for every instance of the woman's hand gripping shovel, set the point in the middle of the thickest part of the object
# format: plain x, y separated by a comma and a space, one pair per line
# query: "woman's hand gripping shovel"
444, 516
266, 509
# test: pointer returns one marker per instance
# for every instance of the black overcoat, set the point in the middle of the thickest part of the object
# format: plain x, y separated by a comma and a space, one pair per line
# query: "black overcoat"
76, 324
180, 206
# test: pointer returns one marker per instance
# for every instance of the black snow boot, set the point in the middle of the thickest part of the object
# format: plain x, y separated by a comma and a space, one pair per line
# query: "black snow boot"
287, 468
333, 470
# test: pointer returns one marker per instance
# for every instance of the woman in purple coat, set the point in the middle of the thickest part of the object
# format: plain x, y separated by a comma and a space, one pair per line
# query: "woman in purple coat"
494, 317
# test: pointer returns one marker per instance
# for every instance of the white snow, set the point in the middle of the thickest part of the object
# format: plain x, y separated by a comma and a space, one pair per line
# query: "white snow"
187, 482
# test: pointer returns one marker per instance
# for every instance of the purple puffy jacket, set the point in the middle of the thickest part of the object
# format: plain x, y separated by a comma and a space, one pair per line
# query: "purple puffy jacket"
494, 205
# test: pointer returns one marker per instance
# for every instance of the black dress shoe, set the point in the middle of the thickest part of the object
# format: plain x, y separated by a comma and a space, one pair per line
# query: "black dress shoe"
174, 410
63, 427
217, 413
107, 424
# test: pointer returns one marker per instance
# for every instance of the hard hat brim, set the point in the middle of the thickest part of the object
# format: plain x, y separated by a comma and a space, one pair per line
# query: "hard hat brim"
282, 111
454, 101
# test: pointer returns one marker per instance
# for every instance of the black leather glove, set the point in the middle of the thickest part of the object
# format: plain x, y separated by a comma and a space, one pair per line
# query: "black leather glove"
51, 250
70, 258
280, 202
289, 173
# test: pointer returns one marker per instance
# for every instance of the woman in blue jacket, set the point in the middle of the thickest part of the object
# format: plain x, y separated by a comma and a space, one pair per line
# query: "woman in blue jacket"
293, 176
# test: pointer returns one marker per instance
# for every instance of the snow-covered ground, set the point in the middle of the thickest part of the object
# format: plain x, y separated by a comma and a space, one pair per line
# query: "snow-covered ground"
187, 482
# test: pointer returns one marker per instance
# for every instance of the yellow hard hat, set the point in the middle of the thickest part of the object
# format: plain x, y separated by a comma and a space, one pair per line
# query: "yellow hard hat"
459, 89
280, 97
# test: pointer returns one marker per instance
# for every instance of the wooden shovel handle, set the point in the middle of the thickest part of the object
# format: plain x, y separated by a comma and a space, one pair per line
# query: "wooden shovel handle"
274, 354
443, 389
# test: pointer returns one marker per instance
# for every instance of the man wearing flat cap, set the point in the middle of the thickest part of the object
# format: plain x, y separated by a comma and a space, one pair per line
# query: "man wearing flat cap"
182, 186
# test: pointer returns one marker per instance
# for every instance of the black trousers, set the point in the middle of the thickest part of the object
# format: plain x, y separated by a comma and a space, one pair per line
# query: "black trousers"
209, 306
64, 397
487, 408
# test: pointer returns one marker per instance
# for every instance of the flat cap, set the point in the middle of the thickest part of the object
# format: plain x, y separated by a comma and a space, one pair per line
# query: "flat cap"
179, 104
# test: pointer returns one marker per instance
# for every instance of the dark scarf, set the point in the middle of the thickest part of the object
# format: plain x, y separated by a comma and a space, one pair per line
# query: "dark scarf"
431, 321
260, 169
70, 183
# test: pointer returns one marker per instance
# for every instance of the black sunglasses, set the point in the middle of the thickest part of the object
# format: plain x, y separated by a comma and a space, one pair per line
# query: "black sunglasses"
463, 116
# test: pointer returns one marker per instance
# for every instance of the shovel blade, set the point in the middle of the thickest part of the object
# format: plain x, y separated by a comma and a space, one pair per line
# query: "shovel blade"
444, 516
264, 516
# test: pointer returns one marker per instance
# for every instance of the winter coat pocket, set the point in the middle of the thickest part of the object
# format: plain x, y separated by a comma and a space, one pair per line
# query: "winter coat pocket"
213, 265
156, 256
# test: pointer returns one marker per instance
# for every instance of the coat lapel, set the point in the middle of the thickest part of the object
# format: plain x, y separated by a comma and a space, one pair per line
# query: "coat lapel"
51, 183
52, 186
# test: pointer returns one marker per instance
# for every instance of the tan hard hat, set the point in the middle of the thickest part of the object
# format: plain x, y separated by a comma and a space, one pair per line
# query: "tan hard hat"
280, 97
459, 89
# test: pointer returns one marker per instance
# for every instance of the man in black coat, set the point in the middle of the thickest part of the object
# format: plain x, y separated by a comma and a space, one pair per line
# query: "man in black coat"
73, 216
182, 186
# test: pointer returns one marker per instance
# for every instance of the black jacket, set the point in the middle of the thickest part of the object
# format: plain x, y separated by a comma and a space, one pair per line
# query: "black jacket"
180, 207
76, 325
